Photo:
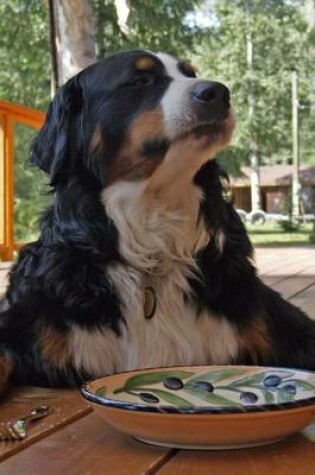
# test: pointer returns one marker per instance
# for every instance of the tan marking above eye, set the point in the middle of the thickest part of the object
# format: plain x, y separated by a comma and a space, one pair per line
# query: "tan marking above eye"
145, 63
187, 68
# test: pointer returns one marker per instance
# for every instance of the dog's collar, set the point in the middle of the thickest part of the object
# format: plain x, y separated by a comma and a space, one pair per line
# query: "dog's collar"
149, 302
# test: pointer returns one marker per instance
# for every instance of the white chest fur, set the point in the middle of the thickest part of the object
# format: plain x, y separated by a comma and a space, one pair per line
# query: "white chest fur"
175, 335
158, 245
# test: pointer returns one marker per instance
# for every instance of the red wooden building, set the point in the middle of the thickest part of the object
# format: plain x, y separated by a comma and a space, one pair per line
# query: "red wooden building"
275, 181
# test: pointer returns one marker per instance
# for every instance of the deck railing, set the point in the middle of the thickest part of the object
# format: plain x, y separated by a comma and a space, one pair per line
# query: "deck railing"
10, 115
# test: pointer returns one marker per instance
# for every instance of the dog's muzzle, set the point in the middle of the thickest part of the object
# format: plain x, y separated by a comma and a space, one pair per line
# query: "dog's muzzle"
191, 103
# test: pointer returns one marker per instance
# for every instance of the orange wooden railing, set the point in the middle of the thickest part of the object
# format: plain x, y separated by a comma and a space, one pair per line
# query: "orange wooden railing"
11, 114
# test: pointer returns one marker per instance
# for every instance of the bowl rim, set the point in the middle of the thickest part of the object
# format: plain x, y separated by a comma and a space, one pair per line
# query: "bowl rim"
191, 410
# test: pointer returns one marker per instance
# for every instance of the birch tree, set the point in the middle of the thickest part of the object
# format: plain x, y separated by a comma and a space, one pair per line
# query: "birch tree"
72, 37
251, 99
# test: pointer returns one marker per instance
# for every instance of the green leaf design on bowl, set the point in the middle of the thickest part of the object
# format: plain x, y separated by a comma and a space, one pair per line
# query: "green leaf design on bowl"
270, 397
256, 380
216, 376
302, 385
284, 396
228, 386
250, 381
169, 397
100, 391
211, 398
144, 379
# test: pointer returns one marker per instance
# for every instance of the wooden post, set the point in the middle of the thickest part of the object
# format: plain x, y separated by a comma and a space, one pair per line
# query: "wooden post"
9, 189
6, 196
9, 115
2, 182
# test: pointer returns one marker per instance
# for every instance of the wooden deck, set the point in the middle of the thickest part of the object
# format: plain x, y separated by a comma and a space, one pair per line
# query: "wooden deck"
290, 271
75, 441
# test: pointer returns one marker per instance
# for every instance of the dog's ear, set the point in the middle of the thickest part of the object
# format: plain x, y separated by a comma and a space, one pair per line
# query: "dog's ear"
54, 148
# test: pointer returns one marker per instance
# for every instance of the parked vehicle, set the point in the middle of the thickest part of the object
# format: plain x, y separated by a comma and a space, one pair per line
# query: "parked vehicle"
259, 217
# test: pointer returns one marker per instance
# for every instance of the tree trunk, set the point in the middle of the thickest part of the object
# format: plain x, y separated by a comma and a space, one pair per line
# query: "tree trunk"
309, 15
296, 186
254, 155
71, 23
123, 15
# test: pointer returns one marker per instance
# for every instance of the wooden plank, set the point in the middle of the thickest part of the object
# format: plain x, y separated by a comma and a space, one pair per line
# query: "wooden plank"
306, 301
88, 446
4, 276
294, 285
294, 456
5, 266
286, 267
291, 285
273, 280
68, 406
25, 115
286, 260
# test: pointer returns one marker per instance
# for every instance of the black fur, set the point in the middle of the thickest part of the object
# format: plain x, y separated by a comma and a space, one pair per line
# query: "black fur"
232, 288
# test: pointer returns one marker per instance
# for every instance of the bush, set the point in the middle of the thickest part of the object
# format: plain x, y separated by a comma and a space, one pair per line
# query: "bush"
289, 226
312, 235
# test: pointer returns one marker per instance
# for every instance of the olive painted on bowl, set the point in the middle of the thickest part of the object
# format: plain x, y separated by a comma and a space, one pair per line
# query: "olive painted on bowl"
173, 383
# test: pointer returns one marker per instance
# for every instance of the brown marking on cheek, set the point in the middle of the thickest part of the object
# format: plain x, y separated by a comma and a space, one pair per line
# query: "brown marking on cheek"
54, 347
130, 163
6, 368
145, 63
148, 125
255, 341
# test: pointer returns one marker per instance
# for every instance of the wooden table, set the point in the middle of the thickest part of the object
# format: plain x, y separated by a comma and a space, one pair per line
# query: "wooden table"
74, 441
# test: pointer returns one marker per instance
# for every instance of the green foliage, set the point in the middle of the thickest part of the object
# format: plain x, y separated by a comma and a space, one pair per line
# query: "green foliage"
290, 226
272, 234
214, 38
280, 44
25, 79
30, 188
156, 25
24, 52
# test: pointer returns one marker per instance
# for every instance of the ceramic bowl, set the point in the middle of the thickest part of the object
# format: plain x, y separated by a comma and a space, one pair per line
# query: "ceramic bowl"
206, 407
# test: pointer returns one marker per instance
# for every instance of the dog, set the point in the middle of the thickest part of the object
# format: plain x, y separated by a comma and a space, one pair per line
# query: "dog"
140, 261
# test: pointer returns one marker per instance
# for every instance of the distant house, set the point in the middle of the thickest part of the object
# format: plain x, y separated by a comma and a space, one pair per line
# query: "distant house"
275, 181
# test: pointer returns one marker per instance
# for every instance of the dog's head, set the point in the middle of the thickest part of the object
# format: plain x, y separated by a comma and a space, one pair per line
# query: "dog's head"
130, 115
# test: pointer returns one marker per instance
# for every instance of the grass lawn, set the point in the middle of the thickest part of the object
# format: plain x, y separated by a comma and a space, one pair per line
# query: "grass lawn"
271, 234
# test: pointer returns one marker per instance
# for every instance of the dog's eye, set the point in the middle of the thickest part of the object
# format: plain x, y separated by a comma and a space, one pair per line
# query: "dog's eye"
143, 80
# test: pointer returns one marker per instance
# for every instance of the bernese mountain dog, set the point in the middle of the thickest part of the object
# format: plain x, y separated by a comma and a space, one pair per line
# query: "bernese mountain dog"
140, 261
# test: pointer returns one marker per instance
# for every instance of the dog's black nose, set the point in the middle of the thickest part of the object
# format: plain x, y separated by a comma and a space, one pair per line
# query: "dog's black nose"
206, 91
